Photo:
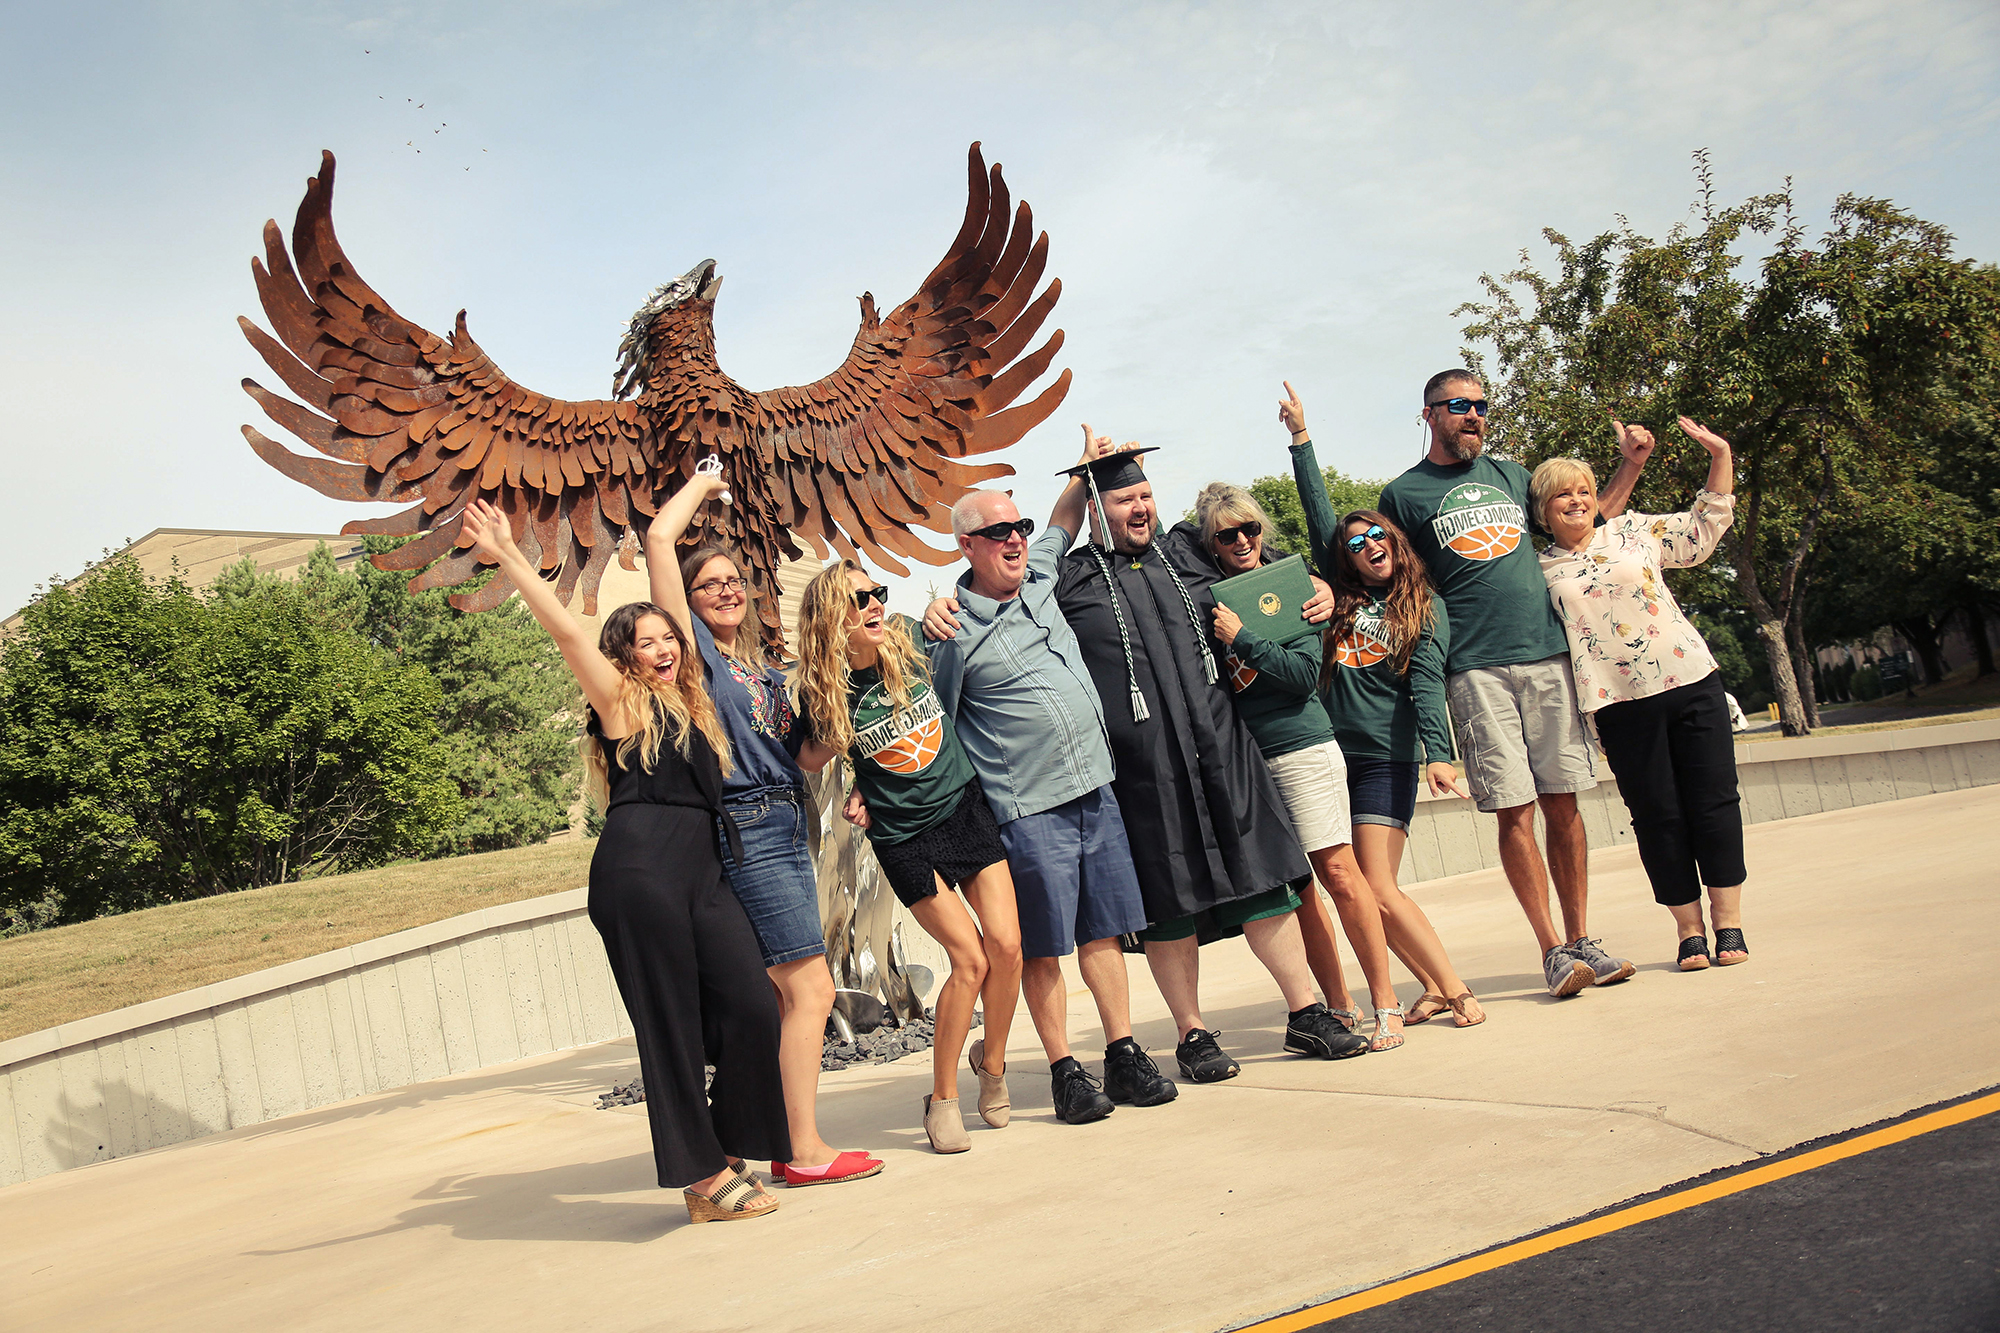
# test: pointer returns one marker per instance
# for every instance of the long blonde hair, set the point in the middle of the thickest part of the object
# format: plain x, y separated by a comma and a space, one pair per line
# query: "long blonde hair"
824, 675
649, 704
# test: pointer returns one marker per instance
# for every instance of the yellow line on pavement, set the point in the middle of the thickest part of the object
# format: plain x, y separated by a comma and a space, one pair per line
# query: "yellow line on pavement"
1645, 1212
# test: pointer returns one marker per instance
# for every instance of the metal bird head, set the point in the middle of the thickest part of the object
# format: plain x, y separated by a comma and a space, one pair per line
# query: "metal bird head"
699, 283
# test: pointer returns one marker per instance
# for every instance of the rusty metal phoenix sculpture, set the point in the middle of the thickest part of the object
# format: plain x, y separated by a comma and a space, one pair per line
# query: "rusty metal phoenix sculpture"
852, 461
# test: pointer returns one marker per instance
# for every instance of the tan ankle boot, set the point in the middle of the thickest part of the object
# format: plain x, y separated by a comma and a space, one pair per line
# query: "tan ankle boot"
995, 1107
945, 1126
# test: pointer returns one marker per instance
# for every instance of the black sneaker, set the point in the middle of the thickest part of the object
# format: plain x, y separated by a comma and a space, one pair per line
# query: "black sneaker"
1202, 1060
1079, 1098
1131, 1076
1314, 1030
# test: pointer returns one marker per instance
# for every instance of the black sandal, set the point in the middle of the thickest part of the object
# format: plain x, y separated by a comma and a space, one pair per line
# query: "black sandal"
1694, 951
1728, 939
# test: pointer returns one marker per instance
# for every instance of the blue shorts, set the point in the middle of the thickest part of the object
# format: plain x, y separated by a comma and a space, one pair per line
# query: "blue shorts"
1073, 875
775, 883
1382, 791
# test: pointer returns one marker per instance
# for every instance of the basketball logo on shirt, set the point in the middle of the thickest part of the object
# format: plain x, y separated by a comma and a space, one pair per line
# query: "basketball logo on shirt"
903, 743
1366, 643
1479, 522
1241, 673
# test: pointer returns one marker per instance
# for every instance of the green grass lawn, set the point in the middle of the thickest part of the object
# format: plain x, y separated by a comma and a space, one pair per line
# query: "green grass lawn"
71, 972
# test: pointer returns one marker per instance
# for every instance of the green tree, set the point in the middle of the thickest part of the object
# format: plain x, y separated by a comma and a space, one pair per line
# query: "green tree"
155, 746
1826, 362
507, 708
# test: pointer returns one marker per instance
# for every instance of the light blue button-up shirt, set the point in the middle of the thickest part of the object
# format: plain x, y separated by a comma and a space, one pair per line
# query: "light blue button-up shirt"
1014, 681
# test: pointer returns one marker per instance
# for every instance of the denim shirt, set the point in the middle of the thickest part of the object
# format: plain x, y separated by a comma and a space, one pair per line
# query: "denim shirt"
1015, 683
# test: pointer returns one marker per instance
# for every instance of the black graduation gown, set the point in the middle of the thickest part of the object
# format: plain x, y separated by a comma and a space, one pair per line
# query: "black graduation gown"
1202, 812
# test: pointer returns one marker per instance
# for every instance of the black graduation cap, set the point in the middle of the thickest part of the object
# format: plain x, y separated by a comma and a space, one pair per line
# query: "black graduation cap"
1113, 472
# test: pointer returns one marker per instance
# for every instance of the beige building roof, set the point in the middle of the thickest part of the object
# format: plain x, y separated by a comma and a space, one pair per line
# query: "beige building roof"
202, 555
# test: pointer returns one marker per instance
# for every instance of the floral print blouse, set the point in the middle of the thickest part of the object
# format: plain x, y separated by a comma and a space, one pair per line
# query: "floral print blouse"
1627, 636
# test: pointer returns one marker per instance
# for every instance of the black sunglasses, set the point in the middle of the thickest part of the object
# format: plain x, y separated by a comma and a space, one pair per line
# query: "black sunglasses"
1361, 539
863, 596
1227, 536
1458, 407
1000, 532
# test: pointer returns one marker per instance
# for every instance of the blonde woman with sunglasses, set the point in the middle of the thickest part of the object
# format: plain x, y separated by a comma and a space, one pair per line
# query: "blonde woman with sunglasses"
865, 691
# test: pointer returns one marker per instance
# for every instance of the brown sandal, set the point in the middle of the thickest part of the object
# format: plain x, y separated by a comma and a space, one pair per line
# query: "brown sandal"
1419, 1013
735, 1199
1458, 1005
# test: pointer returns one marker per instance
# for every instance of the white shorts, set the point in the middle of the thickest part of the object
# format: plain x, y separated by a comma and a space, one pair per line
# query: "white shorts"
1313, 783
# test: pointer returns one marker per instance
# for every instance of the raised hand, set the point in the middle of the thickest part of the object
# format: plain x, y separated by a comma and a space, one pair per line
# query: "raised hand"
486, 530
1635, 443
1291, 411
1703, 436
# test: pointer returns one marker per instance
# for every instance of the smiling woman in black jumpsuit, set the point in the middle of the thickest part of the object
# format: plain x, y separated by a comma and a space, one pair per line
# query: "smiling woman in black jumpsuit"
681, 950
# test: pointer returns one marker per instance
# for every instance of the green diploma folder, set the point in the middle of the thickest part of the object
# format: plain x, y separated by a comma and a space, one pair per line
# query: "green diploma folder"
1269, 600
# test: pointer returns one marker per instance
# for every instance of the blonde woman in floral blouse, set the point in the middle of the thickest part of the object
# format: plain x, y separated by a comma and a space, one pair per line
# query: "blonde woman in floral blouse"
1647, 680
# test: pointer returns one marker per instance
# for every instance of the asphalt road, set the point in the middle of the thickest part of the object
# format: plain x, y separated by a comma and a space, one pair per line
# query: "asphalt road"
1905, 1237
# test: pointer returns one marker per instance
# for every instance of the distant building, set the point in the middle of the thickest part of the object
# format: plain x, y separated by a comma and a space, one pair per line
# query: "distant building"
202, 554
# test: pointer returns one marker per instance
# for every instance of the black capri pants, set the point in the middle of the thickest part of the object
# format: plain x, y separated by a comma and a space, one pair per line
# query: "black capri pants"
1675, 762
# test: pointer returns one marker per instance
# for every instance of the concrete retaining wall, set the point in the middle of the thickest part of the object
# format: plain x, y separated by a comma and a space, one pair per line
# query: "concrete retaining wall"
530, 977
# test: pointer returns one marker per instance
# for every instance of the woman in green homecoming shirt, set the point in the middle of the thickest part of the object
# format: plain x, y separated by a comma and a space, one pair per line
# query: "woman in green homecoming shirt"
865, 690
1383, 685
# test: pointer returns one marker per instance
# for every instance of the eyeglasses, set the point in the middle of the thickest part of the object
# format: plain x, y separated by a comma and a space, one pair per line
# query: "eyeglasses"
716, 587
863, 596
1227, 536
1361, 539
1458, 407
1000, 532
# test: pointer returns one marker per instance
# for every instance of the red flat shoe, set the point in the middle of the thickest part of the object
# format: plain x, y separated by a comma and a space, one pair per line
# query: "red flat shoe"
847, 1166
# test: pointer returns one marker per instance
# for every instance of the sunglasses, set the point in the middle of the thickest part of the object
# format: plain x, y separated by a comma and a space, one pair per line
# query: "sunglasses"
1227, 536
1361, 539
863, 596
1000, 532
1458, 407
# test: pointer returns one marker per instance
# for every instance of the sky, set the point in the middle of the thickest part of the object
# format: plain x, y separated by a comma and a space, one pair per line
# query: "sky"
1235, 195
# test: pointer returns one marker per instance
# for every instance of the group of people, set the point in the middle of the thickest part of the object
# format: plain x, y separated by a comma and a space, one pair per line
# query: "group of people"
1086, 751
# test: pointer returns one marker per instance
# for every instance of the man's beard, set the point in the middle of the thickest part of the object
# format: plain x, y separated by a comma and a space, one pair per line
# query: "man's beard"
1464, 448
1121, 540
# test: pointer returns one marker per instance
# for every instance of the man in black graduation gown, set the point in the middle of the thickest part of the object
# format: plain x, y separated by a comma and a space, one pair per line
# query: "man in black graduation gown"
1210, 836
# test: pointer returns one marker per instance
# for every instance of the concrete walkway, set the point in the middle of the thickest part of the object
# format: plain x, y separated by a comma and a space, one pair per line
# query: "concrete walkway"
502, 1199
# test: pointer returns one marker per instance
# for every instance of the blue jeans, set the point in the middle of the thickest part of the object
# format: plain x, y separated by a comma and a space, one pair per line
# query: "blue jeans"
776, 883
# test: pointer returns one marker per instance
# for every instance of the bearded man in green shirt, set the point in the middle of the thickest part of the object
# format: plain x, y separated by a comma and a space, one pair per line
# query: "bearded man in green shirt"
1512, 697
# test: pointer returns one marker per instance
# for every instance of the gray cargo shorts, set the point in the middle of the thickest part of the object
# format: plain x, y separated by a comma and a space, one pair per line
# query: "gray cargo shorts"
1519, 732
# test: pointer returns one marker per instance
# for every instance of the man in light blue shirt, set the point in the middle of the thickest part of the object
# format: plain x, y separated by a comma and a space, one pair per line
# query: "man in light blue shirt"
1007, 668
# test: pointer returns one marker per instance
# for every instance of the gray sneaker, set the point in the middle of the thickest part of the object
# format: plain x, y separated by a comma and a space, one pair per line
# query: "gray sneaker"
1602, 965
1567, 973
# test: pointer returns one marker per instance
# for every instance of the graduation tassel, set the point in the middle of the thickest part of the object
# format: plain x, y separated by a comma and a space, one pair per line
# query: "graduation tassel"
1194, 619
1139, 710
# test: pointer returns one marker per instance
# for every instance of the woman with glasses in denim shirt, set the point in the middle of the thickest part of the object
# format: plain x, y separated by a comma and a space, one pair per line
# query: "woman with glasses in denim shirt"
765, 794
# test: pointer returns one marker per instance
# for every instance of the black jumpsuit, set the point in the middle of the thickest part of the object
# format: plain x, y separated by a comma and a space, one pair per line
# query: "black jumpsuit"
687, 966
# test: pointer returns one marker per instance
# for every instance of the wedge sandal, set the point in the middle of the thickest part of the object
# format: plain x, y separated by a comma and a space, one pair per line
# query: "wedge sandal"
735, 1199
1729, 939
1693, 956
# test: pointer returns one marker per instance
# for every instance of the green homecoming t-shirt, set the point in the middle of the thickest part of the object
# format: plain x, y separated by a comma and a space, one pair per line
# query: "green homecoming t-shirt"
1469, 522
1277, 691
1377, 713
909, 765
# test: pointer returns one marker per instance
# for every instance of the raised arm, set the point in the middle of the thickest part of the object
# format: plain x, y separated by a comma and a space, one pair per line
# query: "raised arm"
486, 530
1688, 539
663, 573
1721, 461
1322, 524
1072, 506
1635, 446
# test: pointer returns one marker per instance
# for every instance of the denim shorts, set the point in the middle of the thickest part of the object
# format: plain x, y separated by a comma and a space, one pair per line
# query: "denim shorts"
1382, 791
776, 883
